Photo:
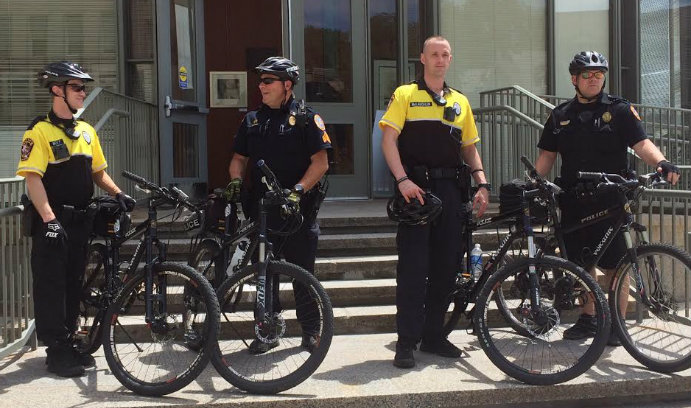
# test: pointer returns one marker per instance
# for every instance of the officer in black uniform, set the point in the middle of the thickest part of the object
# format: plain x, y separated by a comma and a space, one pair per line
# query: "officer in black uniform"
428, 134
592, 132
61, 159
293, 141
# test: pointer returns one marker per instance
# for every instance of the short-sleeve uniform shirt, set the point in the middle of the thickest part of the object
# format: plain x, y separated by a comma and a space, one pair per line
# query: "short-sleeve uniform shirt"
66, 165
430, 134
286, 145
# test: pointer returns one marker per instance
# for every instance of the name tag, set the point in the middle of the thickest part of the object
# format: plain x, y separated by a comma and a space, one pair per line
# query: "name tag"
420, 104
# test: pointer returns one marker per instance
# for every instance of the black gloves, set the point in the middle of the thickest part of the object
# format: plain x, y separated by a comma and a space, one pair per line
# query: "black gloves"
126, 202
667, 168
53, 233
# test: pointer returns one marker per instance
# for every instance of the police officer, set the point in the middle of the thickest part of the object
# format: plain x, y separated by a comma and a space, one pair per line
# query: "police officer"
293, 141
592, 132
61, 159
428, 134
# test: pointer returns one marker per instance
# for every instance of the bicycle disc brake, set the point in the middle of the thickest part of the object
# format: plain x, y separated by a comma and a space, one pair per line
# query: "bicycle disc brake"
541, 324
164, 328
271, 329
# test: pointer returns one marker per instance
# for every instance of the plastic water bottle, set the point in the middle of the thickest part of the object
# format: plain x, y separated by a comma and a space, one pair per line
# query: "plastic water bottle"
476, 262
238, 255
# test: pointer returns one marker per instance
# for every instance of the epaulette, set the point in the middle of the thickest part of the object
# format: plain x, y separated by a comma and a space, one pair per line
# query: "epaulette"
454, 89
35, 121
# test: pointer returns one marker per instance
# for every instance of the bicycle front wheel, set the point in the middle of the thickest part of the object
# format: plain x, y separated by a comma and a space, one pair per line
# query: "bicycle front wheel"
655, 330
538, 353
152, 356
269, 358
91, 303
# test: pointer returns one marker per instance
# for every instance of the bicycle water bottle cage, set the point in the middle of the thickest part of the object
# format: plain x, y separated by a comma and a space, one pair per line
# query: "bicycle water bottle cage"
414, 213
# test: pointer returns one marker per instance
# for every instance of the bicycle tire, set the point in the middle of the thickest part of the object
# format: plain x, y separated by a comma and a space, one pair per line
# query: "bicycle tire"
204, 263
656, 338
291, 361
517, 354
458, 309
136, 349
91, 307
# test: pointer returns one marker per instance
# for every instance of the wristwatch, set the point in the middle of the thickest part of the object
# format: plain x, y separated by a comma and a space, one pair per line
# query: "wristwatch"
299, 188
488, 186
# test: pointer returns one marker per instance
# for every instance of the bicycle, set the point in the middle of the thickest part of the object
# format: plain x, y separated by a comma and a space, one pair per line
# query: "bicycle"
157, 324
656, 277
254, 301
520, 308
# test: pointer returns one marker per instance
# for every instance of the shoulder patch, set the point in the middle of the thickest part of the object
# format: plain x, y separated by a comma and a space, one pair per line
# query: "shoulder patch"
34, 122
635, 113
319, 122
27, 146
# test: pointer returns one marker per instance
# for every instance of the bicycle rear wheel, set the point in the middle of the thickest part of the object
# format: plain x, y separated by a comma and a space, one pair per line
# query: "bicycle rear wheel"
152, 357
657, 333
91, 306
204, 261
538, 354
295, 347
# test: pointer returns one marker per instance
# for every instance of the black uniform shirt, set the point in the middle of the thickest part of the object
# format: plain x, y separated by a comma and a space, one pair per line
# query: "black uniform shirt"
278, 137
593, 136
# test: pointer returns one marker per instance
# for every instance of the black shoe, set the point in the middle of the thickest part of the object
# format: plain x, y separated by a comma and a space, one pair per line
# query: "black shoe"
259, 347
404, 356
85, 359
62, 361
443, 348
310, 342
585, 327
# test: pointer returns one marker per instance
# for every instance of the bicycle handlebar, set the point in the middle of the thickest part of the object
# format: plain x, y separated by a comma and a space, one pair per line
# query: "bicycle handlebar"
606, 180
174, 194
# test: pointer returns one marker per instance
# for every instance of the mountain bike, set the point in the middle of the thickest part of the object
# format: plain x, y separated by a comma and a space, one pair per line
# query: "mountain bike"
277, 320
158, 323
653, 280
520, 309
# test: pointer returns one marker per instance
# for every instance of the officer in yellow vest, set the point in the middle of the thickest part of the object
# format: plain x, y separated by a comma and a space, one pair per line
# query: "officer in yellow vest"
428, 134
61, 159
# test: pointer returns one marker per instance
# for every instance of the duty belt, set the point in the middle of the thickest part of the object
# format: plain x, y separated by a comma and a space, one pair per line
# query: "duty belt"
68, 213
443, 173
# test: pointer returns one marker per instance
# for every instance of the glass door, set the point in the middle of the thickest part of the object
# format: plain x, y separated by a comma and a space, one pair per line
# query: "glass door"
182, 94
328, 42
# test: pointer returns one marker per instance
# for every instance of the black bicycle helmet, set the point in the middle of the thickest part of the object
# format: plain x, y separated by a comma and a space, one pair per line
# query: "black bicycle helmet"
413, 213
282, 67
587, 60
61, 72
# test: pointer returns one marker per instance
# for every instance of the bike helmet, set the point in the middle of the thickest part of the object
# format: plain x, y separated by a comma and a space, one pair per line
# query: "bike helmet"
414, 213
587, 60
61, 72
282, 67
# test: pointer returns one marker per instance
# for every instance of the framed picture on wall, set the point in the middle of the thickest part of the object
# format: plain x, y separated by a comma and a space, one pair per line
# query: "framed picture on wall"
228, 89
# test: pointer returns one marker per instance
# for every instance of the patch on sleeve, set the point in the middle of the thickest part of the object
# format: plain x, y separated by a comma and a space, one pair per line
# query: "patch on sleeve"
393, 97
326, 138
635, 113
319, 122
27, 146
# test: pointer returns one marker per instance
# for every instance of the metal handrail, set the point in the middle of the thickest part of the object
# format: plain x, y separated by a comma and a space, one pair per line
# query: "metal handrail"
17, 326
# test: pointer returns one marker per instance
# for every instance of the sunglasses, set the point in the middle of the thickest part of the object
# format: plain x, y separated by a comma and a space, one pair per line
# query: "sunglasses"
269, 81
78, 87
590, 74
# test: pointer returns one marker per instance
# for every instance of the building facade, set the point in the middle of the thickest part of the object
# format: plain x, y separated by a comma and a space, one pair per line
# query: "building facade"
193, 59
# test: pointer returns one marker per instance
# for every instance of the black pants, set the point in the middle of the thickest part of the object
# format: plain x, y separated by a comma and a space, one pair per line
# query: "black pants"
428, 258
300, 249
58, 272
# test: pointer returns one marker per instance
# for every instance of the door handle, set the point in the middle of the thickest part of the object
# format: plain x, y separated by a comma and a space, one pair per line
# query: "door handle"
170, 106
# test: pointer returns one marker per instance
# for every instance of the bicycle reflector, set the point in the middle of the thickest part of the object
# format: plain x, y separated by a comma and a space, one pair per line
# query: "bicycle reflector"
414, 213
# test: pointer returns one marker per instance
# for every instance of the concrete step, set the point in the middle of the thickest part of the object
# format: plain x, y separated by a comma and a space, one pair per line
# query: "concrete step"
356, 267
357, 373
